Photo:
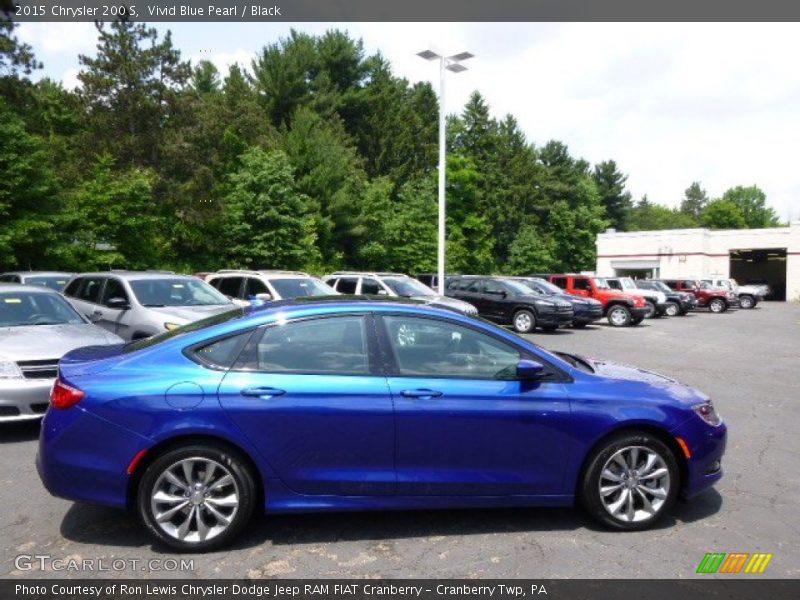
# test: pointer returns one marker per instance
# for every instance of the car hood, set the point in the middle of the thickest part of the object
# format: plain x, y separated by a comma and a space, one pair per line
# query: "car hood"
750, 289
614, 370
451, 303
577, 299
42, 342
187, 314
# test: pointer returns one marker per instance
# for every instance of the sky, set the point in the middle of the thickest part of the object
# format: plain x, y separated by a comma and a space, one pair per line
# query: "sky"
670, 103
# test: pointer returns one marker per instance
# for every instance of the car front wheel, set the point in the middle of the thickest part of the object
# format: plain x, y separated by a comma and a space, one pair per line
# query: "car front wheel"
672, 309
619, 316
524, 321
747, 301
630, 482
717, 305
197, 497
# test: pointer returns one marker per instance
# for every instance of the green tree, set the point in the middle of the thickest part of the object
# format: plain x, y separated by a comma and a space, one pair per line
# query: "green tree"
723, 214
531, 251
694, 200
267, 220
752, 202
613, 195
649, 216
15, 57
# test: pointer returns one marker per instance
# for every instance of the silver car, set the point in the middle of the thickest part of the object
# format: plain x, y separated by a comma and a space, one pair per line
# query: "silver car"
37, 327
137, 304
394, 284
55, 280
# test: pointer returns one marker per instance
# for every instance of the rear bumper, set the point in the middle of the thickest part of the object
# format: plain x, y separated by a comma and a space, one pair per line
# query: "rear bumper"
85, 458
24, 399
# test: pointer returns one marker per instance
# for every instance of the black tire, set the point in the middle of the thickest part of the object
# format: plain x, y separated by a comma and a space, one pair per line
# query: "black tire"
231, 461
523, 321
651, 309
589, 490
619, 316
717, 305
672, 309
747, 301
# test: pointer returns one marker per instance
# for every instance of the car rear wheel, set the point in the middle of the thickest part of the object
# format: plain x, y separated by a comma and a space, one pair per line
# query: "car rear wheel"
524, 321
619, 316
630, 482
197, 497
717, 305
747, 301
672, 309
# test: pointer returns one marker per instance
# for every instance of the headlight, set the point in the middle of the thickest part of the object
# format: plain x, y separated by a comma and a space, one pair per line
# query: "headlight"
9, 370
171, 326
708, 413
543, 303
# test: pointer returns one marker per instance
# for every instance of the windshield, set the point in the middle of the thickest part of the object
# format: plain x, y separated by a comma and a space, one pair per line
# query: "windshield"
176, 291
661, 286
546, 287
295, 288
601, 283
54, 282
518, 287
36, 308
228, 315
408, 287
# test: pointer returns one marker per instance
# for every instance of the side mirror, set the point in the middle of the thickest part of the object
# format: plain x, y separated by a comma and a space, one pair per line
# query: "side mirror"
118, 303
529, 369
264, 296
383, 293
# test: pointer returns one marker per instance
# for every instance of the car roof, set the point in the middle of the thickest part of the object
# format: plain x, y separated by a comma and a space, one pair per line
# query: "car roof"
366, 274
135, 275
16, 288
262, 273
37, 273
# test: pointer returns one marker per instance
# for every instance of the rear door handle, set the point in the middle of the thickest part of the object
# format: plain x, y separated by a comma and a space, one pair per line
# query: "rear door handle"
422, 393
262, 392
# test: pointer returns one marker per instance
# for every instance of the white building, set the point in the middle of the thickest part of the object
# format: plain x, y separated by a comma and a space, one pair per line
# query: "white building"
747, 255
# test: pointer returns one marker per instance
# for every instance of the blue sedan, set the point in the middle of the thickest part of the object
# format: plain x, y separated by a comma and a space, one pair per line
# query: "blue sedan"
340, 403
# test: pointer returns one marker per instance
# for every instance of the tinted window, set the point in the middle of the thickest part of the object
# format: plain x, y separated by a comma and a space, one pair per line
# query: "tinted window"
10, 278
332, 346
72, 288
493, 287
614, 284
223, 353
254, 286
370, 286
429, 348
230, 286
560, 282
90, 290
347, 285
581, 284
114, 289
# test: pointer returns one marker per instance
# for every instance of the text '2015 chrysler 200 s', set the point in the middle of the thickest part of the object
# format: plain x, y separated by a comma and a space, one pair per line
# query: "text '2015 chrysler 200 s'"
337, 404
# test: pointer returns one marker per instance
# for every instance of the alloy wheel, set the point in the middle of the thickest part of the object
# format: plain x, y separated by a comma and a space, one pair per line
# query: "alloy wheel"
195, 499
523, 322
634, 484
746, 302
672, 309
618, 317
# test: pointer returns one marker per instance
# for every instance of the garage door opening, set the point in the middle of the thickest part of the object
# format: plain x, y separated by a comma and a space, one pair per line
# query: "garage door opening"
763, 265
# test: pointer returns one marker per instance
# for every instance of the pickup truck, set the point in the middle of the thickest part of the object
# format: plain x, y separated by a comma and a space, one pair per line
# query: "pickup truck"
748, 295
621, 309
717, 300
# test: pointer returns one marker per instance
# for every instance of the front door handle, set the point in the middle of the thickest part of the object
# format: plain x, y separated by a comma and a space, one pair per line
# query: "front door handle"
422, 393
262, 392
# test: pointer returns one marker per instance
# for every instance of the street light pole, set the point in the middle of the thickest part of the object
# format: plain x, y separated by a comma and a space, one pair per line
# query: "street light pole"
449, 63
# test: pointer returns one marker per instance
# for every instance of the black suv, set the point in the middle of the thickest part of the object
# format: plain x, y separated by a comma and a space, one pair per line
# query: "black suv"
510, 302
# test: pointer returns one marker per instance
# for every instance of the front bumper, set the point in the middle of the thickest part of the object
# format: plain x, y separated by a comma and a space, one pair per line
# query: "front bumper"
588, 315
24, 399
707, 446
554, 317
638, 312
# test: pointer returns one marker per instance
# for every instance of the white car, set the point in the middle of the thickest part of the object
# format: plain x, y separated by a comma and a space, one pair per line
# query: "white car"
243, 286
749, 295
656, 300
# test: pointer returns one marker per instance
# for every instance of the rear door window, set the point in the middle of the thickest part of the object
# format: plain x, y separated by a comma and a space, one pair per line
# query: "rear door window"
581, 284
231, 286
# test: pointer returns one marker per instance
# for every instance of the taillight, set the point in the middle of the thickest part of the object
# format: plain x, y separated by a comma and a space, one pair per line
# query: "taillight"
65, 396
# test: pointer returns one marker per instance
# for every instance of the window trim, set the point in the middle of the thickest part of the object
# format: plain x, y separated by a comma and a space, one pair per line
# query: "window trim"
554, 374
374, 362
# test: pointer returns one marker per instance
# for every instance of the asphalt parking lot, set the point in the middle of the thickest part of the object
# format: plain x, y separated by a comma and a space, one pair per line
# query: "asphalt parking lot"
748, 361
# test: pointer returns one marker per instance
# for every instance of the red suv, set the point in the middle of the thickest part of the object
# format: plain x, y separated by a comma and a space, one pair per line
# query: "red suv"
716, 299
619, 308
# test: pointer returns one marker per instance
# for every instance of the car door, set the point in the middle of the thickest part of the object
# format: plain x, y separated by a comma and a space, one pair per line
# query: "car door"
87, 296
469, 290
116, 320
465, 425
495, 300
311, 396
